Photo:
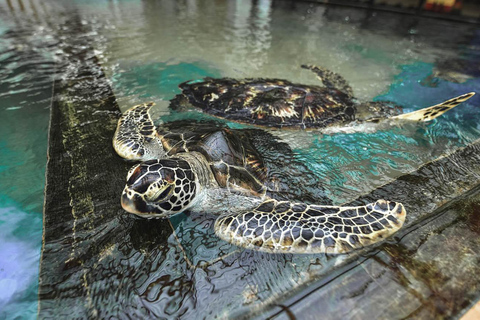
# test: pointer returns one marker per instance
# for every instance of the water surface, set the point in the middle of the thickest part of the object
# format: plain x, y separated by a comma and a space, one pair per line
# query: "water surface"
147, 47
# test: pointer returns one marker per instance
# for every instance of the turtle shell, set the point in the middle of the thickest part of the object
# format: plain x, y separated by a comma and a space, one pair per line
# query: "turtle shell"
235, 164
246, 161
268, 102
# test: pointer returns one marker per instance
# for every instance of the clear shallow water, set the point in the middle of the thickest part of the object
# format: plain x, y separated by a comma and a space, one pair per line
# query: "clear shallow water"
26, 68
175, 43
147, 48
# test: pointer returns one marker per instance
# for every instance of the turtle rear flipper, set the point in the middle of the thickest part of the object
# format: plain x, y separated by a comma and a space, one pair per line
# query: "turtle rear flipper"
136, 137
430, 113
286, 227
330, 79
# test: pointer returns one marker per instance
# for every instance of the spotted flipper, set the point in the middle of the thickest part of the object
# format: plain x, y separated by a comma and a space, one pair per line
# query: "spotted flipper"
299, 228
437, 110
331, 79
136, 137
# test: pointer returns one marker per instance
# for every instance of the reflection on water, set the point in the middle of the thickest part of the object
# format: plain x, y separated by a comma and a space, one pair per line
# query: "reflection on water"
272, 39
26, 69
146, 49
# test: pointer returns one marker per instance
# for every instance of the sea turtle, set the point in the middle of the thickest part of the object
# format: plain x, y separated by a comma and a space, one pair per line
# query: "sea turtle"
232, 173
456, 70
281, 103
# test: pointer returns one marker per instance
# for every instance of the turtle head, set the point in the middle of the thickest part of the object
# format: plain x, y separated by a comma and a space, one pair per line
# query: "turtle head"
159, 188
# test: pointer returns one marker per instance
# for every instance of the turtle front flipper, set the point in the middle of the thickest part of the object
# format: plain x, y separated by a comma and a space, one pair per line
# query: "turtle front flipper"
136, 137
430, 113
285, 227
330, 79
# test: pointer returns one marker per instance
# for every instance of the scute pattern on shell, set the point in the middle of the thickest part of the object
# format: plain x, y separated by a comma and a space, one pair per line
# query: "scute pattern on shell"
281, 103
224, 166
234, 162
280, 226
269, 102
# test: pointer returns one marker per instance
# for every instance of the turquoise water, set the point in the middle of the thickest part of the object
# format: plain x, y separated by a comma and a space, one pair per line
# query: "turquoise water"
147, 48
25, 92
158, 81
385, 154
343, 160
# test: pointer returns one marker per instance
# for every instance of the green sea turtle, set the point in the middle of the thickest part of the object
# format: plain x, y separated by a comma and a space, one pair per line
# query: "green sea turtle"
232, 173
281, 103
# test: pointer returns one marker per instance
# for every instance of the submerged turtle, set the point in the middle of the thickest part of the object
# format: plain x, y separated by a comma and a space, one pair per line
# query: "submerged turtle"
281, 103
232, 173
456, 70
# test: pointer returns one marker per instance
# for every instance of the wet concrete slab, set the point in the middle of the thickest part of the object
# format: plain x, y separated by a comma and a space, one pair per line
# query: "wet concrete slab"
430, 273
82, 212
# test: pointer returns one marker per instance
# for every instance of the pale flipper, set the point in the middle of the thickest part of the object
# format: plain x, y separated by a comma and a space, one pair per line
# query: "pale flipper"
430, 113
136, 137
285, 227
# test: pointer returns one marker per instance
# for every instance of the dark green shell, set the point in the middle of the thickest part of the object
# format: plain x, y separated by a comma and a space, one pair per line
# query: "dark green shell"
255, 160
268, 102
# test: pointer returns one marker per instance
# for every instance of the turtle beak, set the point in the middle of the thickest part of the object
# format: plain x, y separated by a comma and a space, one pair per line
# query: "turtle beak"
130, 204
134, 203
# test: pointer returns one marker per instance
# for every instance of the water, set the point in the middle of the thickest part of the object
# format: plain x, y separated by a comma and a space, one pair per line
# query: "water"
25, 93
148, 47
237, 40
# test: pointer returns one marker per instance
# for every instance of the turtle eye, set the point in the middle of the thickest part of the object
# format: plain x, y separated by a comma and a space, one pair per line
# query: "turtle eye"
162, 195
